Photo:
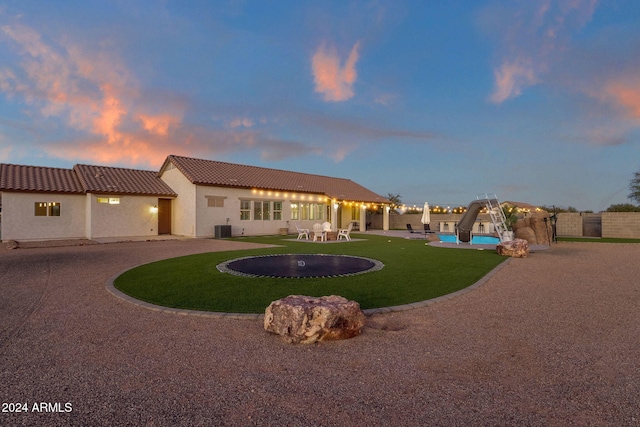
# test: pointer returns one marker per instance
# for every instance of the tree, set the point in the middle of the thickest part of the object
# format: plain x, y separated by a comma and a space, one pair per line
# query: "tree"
634, 186
395, 199
623, 207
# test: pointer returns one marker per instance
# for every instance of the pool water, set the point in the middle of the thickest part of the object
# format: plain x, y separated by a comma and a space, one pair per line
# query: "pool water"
476, 240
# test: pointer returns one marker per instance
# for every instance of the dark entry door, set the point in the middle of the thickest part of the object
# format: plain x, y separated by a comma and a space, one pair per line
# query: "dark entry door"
164, 216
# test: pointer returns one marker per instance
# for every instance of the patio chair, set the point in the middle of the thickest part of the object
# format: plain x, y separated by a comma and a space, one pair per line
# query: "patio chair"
302, 232
345, 232
319, 233
410, 228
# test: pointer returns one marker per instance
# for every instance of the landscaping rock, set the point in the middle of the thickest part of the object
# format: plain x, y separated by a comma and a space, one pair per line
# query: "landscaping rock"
12, 244
305, 320
526, 233
536, 228
516, 248
433, 237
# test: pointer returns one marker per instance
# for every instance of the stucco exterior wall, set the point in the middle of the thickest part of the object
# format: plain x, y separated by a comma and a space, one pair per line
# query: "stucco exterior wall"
133, 216
208, 217
20, 223
624, 225
183, 212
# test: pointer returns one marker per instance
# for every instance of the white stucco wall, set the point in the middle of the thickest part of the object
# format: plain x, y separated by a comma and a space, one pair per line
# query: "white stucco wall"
20, 223
183, 213
131, 217
209, 217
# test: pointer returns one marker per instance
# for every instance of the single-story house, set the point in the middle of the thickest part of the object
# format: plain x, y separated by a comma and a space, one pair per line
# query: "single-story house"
187, 197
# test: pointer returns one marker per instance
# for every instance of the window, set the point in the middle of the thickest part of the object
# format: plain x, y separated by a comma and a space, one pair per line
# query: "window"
261, 210
355, 213
317, 211
109, 200
245, 210
277, 211
47, 209
215, 201
304, 211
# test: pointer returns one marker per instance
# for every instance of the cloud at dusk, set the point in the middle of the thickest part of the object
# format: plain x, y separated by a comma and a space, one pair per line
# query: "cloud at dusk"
333, 79
92, 92
627, 96
511, 79
532, 37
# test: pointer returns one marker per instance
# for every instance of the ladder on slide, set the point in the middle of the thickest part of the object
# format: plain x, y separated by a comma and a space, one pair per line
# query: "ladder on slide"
497, 216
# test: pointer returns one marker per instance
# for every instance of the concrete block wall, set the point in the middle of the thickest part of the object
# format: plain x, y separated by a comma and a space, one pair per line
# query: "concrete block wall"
569, 225
399, 222
623, 225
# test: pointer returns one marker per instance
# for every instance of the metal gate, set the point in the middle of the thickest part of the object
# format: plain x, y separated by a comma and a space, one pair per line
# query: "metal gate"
591, 225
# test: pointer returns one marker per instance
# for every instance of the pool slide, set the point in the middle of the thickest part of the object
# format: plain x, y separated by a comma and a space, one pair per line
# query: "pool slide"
465, 225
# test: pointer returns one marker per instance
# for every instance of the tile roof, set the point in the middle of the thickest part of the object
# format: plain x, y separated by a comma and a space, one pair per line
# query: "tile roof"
82, 179
215, 173
38, 179
104, 179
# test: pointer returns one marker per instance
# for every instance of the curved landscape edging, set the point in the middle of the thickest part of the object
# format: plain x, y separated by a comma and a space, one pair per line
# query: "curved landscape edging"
110, 287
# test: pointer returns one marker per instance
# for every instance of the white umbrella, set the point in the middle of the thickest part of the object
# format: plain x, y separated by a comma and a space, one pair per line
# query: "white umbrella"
426, 216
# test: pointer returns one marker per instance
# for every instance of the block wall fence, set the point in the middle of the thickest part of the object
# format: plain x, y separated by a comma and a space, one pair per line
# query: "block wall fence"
624, 225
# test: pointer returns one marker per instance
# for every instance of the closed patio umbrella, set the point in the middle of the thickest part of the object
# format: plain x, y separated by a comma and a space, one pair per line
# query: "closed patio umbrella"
426, 219
426, 216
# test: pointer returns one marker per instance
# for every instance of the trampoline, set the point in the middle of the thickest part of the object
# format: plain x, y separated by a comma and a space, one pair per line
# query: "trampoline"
295, 266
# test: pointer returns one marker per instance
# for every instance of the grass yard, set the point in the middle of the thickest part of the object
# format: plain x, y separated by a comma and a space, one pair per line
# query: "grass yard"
413, 272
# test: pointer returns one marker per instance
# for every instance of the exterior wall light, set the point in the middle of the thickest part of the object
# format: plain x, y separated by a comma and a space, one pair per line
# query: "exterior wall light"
154, 209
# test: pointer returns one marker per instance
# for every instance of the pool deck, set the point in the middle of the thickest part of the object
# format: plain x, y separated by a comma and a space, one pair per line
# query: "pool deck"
420, 236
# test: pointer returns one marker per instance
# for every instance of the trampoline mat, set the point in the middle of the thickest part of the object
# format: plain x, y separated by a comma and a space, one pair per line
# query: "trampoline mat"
299, 266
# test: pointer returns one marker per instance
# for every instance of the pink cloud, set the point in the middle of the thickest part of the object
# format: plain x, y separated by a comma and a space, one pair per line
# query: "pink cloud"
332, 80
158, 124
625, 95
532, 37
510, 79
91, 91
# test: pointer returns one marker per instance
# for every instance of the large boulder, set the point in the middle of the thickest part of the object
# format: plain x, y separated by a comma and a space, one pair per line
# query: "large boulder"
526, 233
535, 229
516, 248
304, 319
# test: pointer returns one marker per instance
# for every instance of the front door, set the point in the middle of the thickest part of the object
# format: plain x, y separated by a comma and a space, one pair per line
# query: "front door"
164, 216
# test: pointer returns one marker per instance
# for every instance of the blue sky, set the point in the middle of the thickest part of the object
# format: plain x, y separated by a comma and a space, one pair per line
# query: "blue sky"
439, 101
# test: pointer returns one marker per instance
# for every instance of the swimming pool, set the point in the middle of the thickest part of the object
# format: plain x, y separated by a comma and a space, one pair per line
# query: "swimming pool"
476, 240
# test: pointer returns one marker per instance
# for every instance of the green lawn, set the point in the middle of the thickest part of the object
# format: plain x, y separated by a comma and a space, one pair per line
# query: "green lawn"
413, 272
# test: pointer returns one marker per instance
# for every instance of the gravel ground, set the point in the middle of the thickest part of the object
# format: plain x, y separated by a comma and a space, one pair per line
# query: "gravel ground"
550, 340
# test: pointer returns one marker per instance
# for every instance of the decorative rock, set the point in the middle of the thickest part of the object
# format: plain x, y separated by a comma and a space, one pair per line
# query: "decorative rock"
526, 233
12, 244
536, 228
541, 225
433, 237
517, 248
303, 319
